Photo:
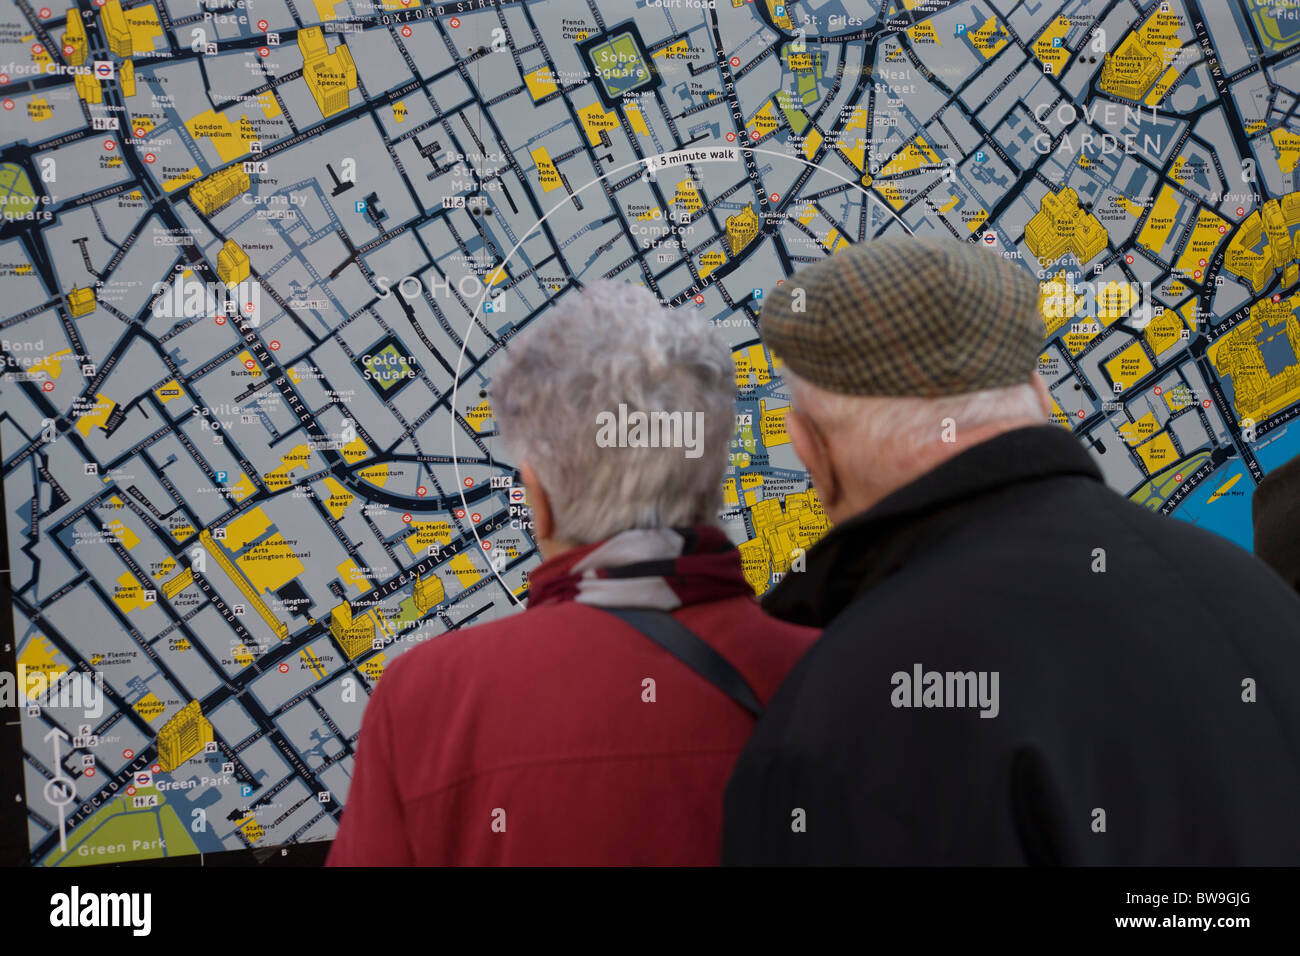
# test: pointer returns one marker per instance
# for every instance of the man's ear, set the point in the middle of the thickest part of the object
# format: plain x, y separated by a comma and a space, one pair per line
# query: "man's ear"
1044, 396
539, 503
811, 447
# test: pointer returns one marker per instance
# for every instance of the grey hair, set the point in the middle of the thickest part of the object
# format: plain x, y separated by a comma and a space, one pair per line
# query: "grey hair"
890, 436
611, 344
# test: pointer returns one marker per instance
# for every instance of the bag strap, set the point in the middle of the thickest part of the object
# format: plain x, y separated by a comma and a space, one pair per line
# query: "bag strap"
689, 648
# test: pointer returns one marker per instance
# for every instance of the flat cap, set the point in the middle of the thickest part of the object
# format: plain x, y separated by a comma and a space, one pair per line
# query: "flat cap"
907, 316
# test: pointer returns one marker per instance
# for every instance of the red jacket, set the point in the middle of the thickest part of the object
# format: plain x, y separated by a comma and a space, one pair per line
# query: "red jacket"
526, 740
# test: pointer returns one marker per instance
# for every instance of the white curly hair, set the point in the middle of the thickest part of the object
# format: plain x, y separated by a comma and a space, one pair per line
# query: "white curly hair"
614, 344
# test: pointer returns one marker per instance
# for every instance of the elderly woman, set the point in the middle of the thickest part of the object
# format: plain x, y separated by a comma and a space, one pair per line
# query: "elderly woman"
600, 725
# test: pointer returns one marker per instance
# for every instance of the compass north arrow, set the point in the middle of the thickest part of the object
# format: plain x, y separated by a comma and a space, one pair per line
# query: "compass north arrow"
56, 733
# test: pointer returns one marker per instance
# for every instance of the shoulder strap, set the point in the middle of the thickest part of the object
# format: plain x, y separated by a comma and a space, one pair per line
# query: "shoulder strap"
689, 648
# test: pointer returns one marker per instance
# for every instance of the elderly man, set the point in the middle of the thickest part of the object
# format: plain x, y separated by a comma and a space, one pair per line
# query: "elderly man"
1019, 665
1275, 514
600, 725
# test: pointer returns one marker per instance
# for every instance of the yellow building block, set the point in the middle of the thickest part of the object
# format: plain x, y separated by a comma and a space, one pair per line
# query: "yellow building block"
354, 451
74, 36
97, 417
547, 174
924, 34
1160, 223
765, 121
39, 663
246, 529
149, 707
772, 425
129, 593
297, 458
1201, 244
479, 415
1157, 453
989, 37
231, 139
596, 121
339, 498
729, 495
168, 391
1164, 331
1076, 342
852, 138
636, 119
1053, 56
232, 263
540, 82
688, 197
330, 75
176, 182
1287, 145
462, 567
271, 564
425, 534
1136, 432
1158, 91
756, 564
143, 23
1129, 365
349, 573
812, 141
710, 259
81, 301
242, 488
741, 229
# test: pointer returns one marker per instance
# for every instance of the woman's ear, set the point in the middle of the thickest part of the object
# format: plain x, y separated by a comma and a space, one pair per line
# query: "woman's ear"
539, 503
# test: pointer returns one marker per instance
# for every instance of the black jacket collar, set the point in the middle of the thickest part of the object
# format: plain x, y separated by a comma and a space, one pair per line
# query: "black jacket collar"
856, 554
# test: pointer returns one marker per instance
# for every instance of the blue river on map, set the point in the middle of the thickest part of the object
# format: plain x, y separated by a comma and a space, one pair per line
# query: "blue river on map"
1229, 515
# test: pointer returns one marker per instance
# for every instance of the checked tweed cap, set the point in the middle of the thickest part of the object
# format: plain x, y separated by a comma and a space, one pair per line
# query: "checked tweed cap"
908, 316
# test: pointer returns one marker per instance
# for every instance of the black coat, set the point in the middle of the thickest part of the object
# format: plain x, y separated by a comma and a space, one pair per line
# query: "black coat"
1125, 731
1275, 511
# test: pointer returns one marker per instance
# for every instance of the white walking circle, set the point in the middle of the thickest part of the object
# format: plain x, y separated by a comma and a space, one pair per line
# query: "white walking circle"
478, 306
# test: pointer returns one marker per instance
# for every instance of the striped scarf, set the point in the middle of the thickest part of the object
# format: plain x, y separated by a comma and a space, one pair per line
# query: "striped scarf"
661, 568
